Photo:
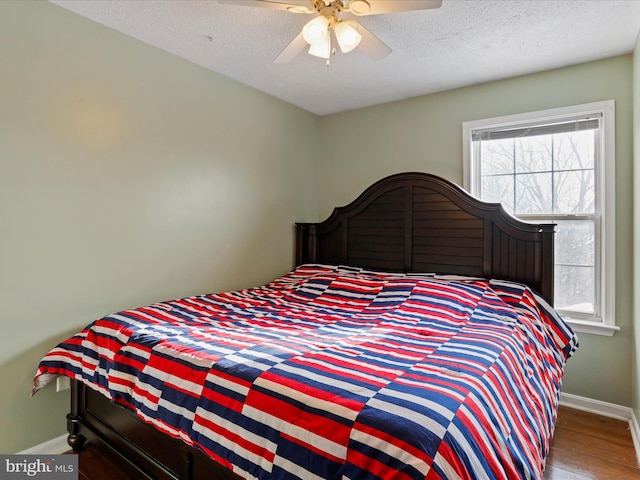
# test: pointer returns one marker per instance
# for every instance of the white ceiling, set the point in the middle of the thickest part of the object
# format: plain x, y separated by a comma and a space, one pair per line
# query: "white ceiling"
464, 42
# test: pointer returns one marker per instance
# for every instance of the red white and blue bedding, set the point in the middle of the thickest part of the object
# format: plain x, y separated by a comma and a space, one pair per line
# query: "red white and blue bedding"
333, 372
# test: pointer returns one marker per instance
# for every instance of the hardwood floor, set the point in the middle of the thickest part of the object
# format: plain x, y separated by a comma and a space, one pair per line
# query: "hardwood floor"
95, 464
588, 446
585, 446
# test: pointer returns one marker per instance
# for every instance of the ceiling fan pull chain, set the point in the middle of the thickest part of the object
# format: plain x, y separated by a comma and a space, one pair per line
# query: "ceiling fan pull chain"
333, 52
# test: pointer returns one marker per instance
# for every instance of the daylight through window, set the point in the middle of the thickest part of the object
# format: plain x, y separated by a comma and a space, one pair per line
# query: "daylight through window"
549, 167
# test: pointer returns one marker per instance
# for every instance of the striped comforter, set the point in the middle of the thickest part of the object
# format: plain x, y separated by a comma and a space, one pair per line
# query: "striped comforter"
332, 372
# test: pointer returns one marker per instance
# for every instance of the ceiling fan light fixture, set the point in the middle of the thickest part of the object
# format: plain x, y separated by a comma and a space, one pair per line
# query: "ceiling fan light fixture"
347, 35
322, 50
316, 32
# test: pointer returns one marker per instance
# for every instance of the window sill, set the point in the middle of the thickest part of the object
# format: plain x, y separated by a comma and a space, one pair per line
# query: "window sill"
595, 328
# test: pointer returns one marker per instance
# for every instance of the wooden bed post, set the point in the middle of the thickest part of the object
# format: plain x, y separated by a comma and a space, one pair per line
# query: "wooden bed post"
547, 232
306, 246
75, 440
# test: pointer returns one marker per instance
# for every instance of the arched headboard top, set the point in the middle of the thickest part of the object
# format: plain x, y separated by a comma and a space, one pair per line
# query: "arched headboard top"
418, 222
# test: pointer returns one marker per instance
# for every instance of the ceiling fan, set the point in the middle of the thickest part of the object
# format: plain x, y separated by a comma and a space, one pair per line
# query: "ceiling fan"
328, 26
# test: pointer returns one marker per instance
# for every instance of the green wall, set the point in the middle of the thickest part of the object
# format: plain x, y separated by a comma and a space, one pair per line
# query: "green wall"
425, 134
127, 176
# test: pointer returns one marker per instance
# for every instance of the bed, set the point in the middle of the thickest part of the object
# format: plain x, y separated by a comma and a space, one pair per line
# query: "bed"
413, 339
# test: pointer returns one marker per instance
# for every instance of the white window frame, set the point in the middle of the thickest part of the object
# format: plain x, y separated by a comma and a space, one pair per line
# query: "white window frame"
604, 324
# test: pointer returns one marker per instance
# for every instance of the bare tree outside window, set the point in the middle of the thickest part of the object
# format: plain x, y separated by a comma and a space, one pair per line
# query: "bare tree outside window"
550, 174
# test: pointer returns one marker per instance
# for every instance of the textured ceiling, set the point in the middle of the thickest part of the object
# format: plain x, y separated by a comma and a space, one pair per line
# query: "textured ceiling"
464, 42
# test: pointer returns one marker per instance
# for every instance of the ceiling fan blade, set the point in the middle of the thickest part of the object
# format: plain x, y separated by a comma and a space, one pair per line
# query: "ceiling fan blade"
295, 6
377, 7
372, 45
292, 50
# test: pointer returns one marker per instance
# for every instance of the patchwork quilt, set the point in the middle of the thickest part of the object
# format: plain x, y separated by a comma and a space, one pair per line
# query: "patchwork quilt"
334, 372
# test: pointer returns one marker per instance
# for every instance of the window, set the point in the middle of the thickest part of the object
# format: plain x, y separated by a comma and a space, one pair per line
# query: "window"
557, 166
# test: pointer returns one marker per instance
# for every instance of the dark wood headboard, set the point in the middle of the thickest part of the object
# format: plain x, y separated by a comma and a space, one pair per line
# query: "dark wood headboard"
417, 222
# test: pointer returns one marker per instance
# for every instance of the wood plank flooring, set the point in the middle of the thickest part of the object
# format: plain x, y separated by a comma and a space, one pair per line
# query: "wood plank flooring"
588, 446
96, 464
585, 447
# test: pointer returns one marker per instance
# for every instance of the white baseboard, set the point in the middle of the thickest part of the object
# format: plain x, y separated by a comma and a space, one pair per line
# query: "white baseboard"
54, 446
606, 410
599, 407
